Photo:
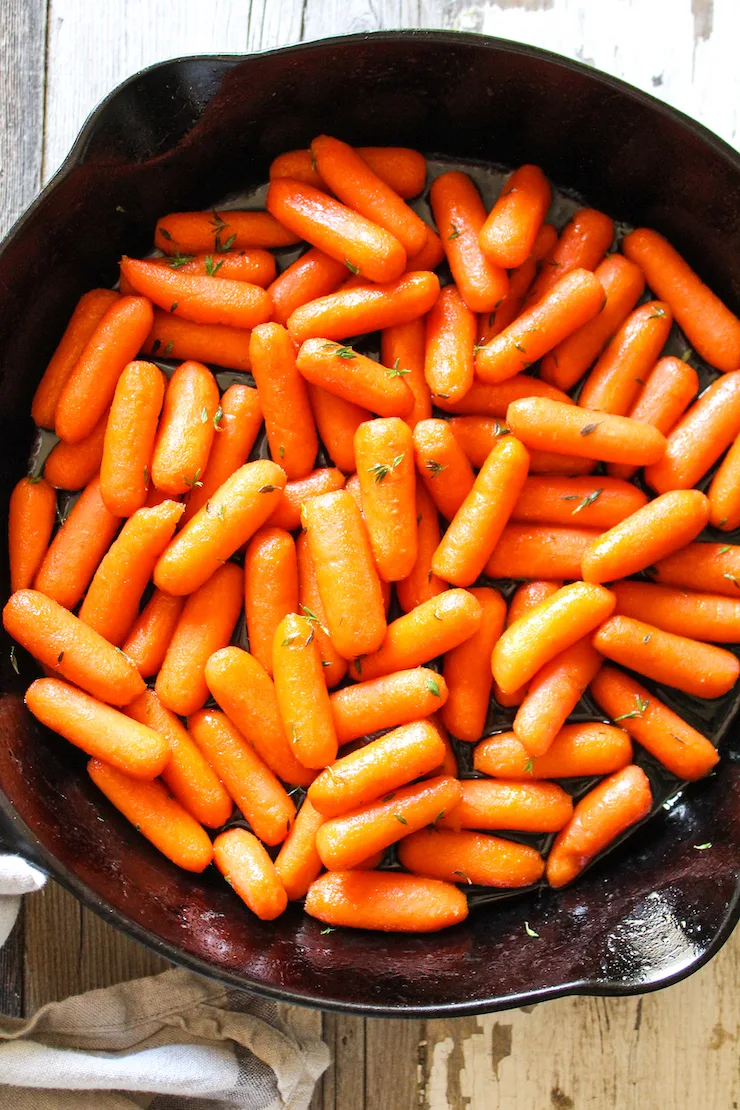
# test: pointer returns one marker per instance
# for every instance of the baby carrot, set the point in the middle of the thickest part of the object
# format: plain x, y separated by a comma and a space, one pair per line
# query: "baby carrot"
422, 583
147, 642
31, 517
111, 603
689, 665
198, 297
291, 432
234, 513
478, 435
714, 567
606, 811
156, 815
387, 901
270, 588
585, 502
403, 350
442, 466
551, 426
337, 421
228, 229
553, 693
187, 774
450, 339
238, 420
181, 340
345, 841
101, 731
673, 742
206, 624
708, 324
337, 230
520, 280
507, 237
129, 438
459, 214
433, 628
703, 616
724, 492
473, 533
571, 304
186, 429
255, 789
89, 389
349, 585
246, 866
257, 266
664, 525
310, 277
470, 857
61, 641
77, 548
525, 806
335, 666
525, 598
628, 358
467, 670
539, 551
287, 515
364, 307
430, 255
303, 700
448, 766
582, 245
398, 166
71, 466
386, 702
354, 377
298, 862
577, 750
385, 468
494, 398
555, 624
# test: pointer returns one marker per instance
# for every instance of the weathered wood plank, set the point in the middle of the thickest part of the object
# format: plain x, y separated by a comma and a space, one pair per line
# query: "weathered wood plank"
344, 1082
22, 48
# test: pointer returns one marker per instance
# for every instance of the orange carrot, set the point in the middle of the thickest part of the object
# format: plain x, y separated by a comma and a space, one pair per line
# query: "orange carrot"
494, 398
402, 350
237, 420
303, 700
525, 598
178, 339
335, 666
582, 245
128, 446
387, 901
620, 372
257, 266
478, 435
525, 806
422, 583
354, 377
664, 398
287, 515
508, 235
31, 516
353, 488
586, 502
186, 429
450, 339
71, 466
386, 702
577, 750
606, 811
702, 566
385, 467
270, 588
470, 857
298, 862
198, 297
459, 214
538, 551
724, 492
147, 642
703, 616
364, 307
310, 277
291, 432
442, 466
553, 693
467, 670
246, 866
551, 426
227, 229
337, 421
403, 169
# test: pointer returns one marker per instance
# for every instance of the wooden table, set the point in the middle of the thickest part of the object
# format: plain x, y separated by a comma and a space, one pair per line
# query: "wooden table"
675, 1049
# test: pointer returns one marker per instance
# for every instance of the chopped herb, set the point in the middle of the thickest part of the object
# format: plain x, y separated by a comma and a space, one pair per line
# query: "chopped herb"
138, 828
419, 518
310, 638
328, 929
529, 766
657, 315
430, 572
177, 260
732, 578
313, 160
444, 396
313, 619
222, 248
34, 479
340, 352
722, 522
281, 451
587, 429
724, 550
455, 233
267, 489
120, 209
60, 657
358, 663
146, 475
166, 235
434, 687
588, 500
646, 638
434, 467
396, 371
639, 381
195, 481
351, 267
439, 817
156, 345
168, 348
325, 663
204, 415
174, 305
466, 878
686, 355
529, 930
569, 497
382, 470
293, 733
500, 429
217, 223
212, 270
519, 347
389, 797
638, 712
703, 847
218, 416
13, 660
401, 818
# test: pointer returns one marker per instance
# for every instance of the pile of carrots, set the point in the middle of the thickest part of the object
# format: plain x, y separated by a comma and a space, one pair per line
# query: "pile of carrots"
457, 459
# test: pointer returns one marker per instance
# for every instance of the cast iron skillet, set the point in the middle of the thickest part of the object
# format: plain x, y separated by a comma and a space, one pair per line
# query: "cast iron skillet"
181, 135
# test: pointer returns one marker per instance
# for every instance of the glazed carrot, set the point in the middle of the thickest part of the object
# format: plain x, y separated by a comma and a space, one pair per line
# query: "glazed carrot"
467, 669
364, 307
422, 583
31, 517
520, 280
555, 463
303, 700
288, 512
238, 420
147, 642
156, 815
353, 488
551, 426
227, 229
77, 548
256, 266
577, 750
698, 440
553, 693
538, 551
337, 230
555, 624
310, 277
474, 532
708, 324
101, 731
335, 666
298, 862
450, 338
385, 468
433, 628
71, 466
448, 766
585, 502
599, 818
581, 246
346, 840
622, 286
403, 350
714, 567
198, 297
702, 616
387, 901
478, 435
337, 421
664, 525
206, 624
724, 492
430, 255
525, 598
186, 429
180, 340
525, 806
348, 582
255, 789
245, 692
494, 398
403, 169
354, 377
673, 742
620, 372
246, 866
470, 858
687, 664
111, 604
664, 398
130, 433
62, 642
386, 702
187, 774
459, 215
237, 509
291, 432
89, 389
270, 588
508, 235
571, 304
442, 466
